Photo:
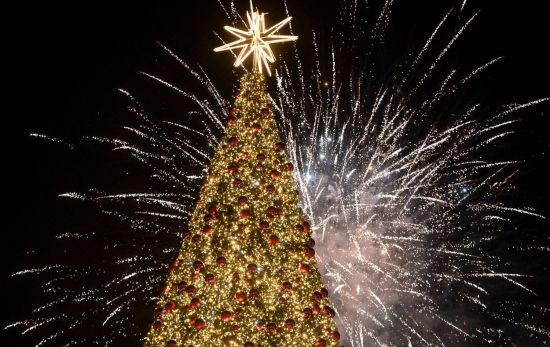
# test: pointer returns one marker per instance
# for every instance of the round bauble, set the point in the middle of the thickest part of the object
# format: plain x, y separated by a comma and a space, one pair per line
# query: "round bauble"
198, 265
199, 324
303, 268
290, 324
271, 328
157, 325
191, 290
226, 316
246, 214
240, 297
169, 307
221, 261
273, 240
209, 279
309, 252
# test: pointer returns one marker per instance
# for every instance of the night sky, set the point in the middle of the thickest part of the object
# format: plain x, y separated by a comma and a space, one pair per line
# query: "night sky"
66, 60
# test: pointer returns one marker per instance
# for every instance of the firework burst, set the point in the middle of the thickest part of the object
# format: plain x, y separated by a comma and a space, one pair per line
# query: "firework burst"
405, 202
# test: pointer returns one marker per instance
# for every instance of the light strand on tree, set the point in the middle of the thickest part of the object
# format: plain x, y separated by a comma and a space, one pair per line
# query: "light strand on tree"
246, 274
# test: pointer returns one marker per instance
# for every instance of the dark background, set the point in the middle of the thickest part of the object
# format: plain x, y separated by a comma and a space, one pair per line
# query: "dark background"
65, 61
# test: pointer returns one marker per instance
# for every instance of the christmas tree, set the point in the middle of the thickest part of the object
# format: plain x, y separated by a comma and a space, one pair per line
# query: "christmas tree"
246, 274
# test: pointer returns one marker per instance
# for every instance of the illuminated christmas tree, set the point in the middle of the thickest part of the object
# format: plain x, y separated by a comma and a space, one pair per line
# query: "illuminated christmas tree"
246, 274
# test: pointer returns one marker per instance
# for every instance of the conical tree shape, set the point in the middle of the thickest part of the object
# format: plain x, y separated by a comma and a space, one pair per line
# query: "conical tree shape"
246, 274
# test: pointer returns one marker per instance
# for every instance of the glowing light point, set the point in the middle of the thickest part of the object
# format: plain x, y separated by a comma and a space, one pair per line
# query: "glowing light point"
256, 40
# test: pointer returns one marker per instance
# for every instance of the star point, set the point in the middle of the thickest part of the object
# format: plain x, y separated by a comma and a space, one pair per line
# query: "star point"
256, 41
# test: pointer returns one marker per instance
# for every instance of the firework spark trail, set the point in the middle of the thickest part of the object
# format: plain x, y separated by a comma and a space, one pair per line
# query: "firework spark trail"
326, 173
392, 198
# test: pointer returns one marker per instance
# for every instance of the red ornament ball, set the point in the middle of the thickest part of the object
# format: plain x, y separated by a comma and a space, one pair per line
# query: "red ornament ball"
212, 209
221, 261
209, 279
191, 290
307, 313
306, 226
196, 303
233, 111
157, 325
171, 343
181, 286
275, 175
335, 335
237, 183
169, 307
246, 214
264, 225
252, 268
198, 265
324, 292
243, 200
290, 324
232, 120
303, 268
240, 297
254, 293
279, 147
233, 141
316, 297
255, 127
315, 308
286, 286
321, 343
226, 316
231, 169
260, 157
270, 189
309, 252
271, 328
329, 311
200, 324
273, 240
271, 211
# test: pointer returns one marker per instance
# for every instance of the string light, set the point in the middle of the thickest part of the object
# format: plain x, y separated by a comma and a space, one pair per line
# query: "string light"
246, 274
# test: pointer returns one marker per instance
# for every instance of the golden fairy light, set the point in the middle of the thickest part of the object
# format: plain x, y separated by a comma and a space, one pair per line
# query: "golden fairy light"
256, 41
247, 274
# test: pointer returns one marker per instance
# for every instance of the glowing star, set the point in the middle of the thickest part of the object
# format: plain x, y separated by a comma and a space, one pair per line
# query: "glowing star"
256, 41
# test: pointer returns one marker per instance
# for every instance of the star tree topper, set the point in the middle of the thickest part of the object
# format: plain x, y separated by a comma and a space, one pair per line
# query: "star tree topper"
256, 41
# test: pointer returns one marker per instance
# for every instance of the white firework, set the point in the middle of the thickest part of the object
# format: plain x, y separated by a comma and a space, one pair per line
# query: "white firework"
405, 201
